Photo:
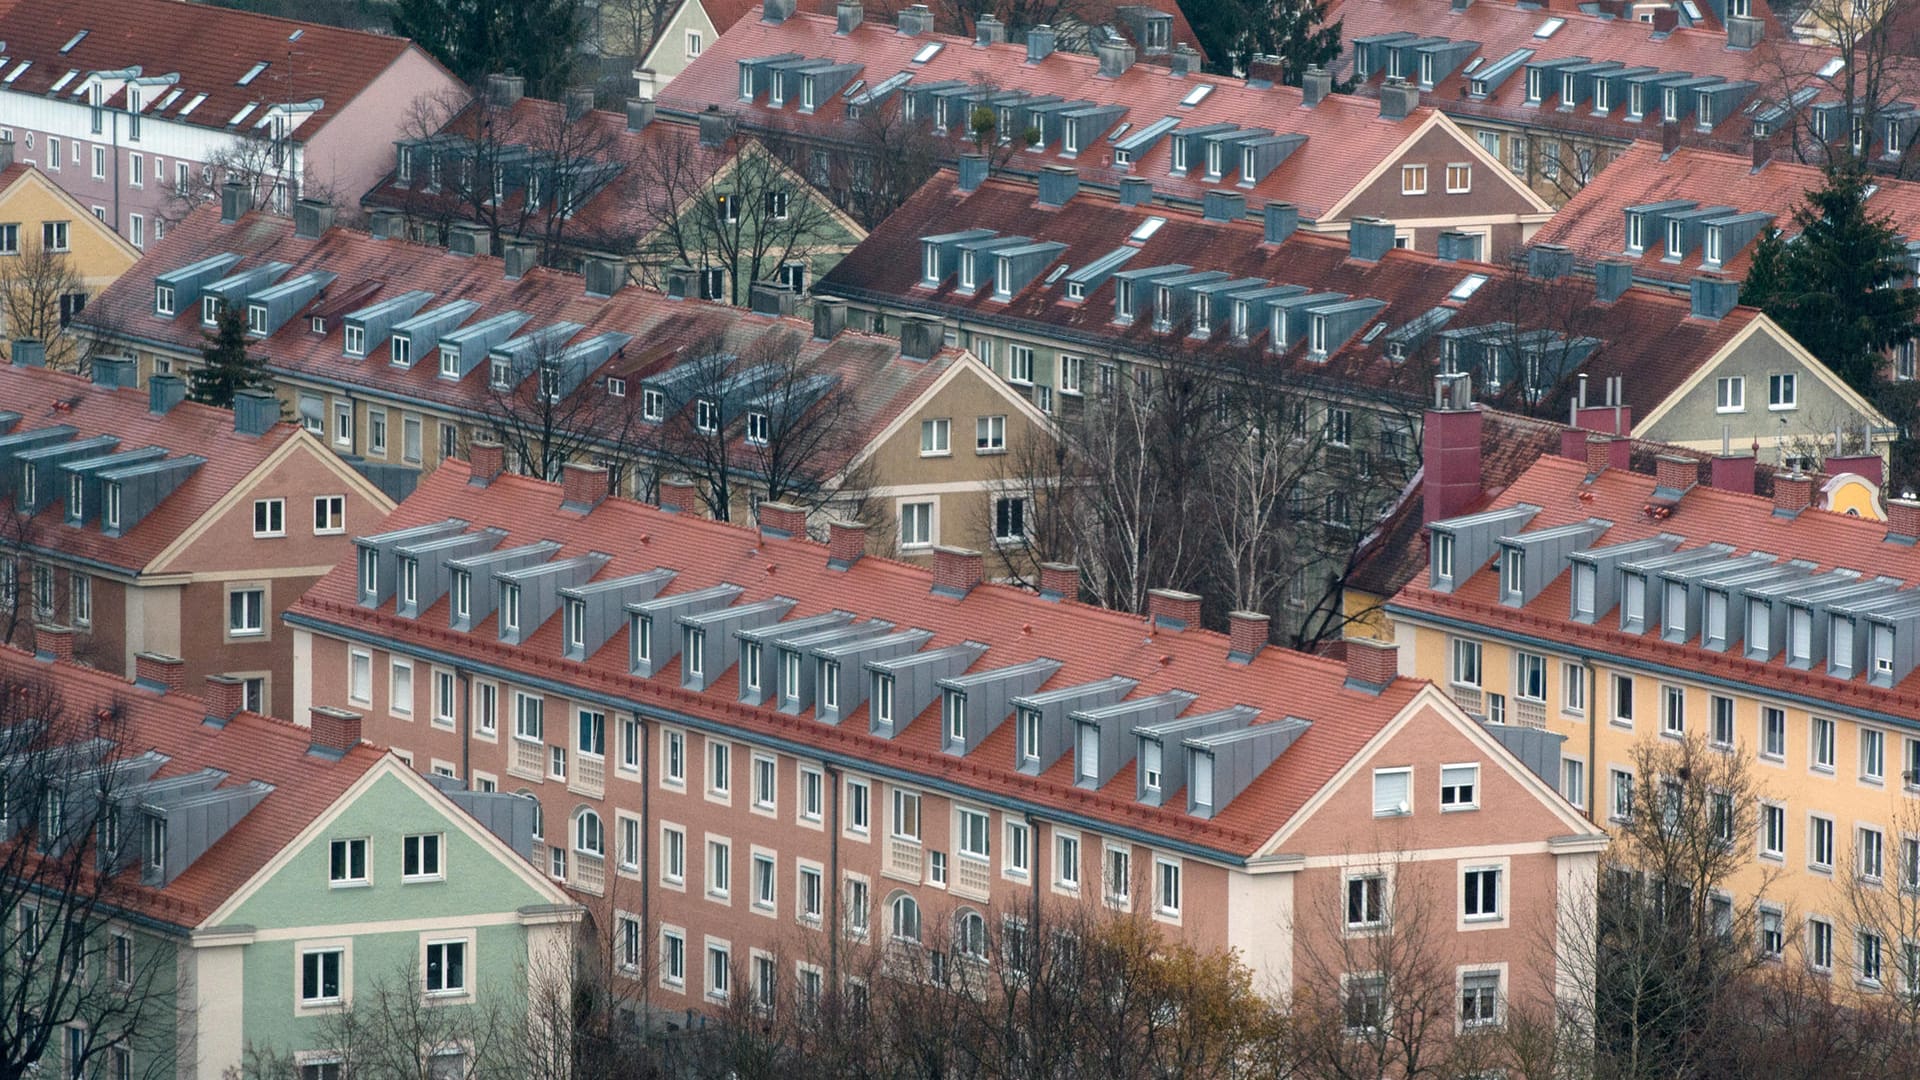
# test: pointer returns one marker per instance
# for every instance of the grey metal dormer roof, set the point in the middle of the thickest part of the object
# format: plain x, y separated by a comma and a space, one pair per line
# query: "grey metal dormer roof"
1807, 617
430, 559
767, 687
654, 629
1596, 578
985, 700
720, 634
1050, 713
1470, 541
1542, 554
424, 330
1103, 736
539, 587
1162, 753
466, 348
86, 473
1221, 765
482, 589
596, 610
913, 681
381, 549
843, 682
798, 670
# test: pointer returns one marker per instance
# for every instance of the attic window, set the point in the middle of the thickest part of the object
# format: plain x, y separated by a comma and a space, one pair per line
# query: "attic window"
1832, 67
72, 42
245, 111
1057, 271
1467, 287
61, 83
21, 70
1145, 230
1474, 64
1549, 28
928, 51
252, 73
192, 105
1692, 9
1196, 95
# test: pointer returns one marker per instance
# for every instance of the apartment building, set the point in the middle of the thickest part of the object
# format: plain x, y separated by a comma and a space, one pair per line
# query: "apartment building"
36, 219
580, 182
400, 355
144, 523
819, 84
281, 875
1615, 607
1557, 94
749, 747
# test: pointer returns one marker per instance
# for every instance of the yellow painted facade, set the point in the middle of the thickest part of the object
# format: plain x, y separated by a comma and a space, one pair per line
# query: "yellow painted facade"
1812, 758
95, 255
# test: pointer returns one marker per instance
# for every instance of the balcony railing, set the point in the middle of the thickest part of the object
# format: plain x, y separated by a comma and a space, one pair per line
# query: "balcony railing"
527, 760
589, 776
590, 873
903, 859
972, 878
1531, 713
1469, 698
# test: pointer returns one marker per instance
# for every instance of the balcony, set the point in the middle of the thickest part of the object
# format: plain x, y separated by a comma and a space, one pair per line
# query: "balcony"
1531, 713
1469, 698
589, 776
903, 860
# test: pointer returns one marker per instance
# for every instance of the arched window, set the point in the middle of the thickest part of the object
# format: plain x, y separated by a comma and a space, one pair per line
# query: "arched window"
970, 934
906, 918
589, 835
539, 814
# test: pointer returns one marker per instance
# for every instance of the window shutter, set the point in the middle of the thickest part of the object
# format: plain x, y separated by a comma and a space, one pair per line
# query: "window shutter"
1390, 792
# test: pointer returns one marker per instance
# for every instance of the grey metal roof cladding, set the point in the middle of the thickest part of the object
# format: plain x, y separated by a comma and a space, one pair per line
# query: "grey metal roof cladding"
1162, 753
755, 76
595, 611
1050, 716
540, 590
424, 330
1693, 227
431, 573
190, 280
1489, 78
761, 684
1715, 103
842, 680
1537, 748
509, 816
1848, 632
654, 637
1542, 553
1016, 266
1764, 613
797, 669
1596, 581
85, 505
914, 680
1809, 616
1893, 641
1094, 274
1682, 598
945, 254
376, 321
278, 303
1474, 539
42, 464
1223, 764
20, 442
483, 592
1723, 626
235, 288
468, 346
131, 795
194, 822
1144, 139
1640, 595
1287, 317
985, 699
381, 548
521, 352
720, 633
1103, 736
1259, 157
143, 486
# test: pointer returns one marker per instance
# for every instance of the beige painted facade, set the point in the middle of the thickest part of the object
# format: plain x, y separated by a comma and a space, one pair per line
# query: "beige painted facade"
95, 256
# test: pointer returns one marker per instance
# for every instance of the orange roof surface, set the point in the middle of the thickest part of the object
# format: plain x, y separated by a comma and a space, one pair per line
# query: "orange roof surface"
1017, 626
248, 748
1703, 515
44, 399
1347, 139
1594, 225
210, 49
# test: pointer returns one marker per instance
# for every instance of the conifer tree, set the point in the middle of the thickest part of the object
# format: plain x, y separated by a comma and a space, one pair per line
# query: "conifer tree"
537, 39
227, 367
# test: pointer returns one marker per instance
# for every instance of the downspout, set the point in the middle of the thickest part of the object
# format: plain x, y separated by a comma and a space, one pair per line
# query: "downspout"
1593, 723
114, 114
833, 883
466, 725
646, 861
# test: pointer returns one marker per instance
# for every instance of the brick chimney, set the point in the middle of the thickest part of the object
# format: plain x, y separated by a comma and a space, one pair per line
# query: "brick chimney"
53, 642
1450, 450
582, 486
783, 520
846, 543
676, 494
1762, 152
1903, 520
1371, 665
224, 696
1059, 581
487, 460
1732, 473
158, 671
1869, 466
1791, 494
1173, 609
1675, 472
1247, 634
1669, 137
957, 570
335, 731
1599, 454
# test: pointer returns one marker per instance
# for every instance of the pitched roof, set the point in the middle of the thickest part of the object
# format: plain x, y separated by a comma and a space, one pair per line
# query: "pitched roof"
1645, 334
207, 50
1014, 626
660, 327
1498, 30
44, 399
1701, 516
1594, 224
248, 749
1086, 12
1346, 137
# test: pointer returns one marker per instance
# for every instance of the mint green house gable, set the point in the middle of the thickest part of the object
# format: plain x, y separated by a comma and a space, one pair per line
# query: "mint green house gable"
395, 889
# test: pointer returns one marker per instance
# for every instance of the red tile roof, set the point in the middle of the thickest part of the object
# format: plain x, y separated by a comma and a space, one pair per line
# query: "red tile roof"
1347, 139
248, 748
1086, 12
210, 48
1017, 626
1502, 28
1593, 224
660, 326
45, 398
1746, 523
1646, 335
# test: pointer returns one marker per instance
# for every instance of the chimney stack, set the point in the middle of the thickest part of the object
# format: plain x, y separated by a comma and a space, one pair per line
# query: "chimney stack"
1059, 581
677, 495
770, 299
505, 91
1903, 520
517, 257
52, 642
716, 127
582, 486
486, 460
114, 372
1549, 262
988, 30
1248, 632
255, 412
1792, 493
1713, 298
312, 218
579, 103
1675, 472
846, 542
1669, 137
1135, 191
829, 318
158, 671
776, 11
224, 695
1450, 449
848, 14
973, 171
1039, 43
1731, 473
640, 112
1173, 609
1369, 239
164, 392
1762, 151
29, 352
1183, 61
1611, 279
915, 21
236, 199
1059, 184
1398, 99
1115, 56
1315, 84
1371, 665
919, 338
1744, 32
1281, 220
1223, 206
1265, 71
333, 731
956, 570
1599, 454
783, 521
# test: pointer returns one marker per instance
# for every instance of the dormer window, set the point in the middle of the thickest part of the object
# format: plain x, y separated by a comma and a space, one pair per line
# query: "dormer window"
1162, 307
930, 264
830, 686
154, 849
1123, 300
403, 166
1076, 290
953, 708
1070, 137
696, 653
1443, 556
257, 319
1602, 96
1569, 87
510, 609
402, 349
806, 92
1636, 101
1536, 85
356, 340
1676, 239
1426, 69
450, 361
549, 383
1636, 233
1001, 278
643, 639
1712, 256
1317, 336
576, 619
759, 428
882, 698
967, 274
500, 374
409, 581
76, 507
706, 417
210, 311
1513, 564
1179, 156
1213, 160
1670, 104
653, 405
110, 505
462, 594
1202, 315
28, 495
777, 89
1584, 582
746, 83
1242, 315
163, 300
370, 571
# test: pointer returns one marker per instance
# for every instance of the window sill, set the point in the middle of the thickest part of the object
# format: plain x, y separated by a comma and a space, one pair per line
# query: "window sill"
1782, 408
437, 879
1459, 809
1725, 410
989, 451
936, 453
362, 884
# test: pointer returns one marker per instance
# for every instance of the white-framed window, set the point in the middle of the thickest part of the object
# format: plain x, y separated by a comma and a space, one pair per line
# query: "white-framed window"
906, 816
673, 957
1783, 391
719, 869
1481, 894
1623, 699
1460, 787
673, 856
1731, 394
1873, 755
694, 44
246, 612
269, 517
936, 437
1773, 733
859, 808
1821, 736
329, 515
719, 769
1530, 676
486, 709
764, 887
321, 976
989, 434
673, 758
443, 694
1573, 781
446, 967
420, 858
360, 677
1869, 853
765, 782
1466, 662
1619, 795
1773, 831
1020, 364
1413, 179
813, 795
916, 524
1366, 900
1392, 792
347, 862
1459, 178
529, 716
1673, 710
1480, 998
1820, 944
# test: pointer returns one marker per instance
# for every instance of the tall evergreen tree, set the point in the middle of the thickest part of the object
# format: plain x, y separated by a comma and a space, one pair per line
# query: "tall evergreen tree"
1840, 287
1233, 31
538, 39
228, 369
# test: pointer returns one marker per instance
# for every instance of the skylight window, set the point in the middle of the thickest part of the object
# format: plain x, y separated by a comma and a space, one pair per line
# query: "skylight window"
1549, 28
61, 83
1473, 65
858, 85
194, 104
296, 35
1467, 287
1832, 67
167, 102
1197, 95
19, 71
245, 111
1373, 333
1114, 136
1145, 230
252, 73
1057, 271
928, 51
72, 42
1692, 9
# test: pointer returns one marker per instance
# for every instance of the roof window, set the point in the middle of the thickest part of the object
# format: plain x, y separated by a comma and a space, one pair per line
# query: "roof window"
1832, 67
928, 51
192, 105
19, 71
1692, 9
252, 73
1467, 287
1549, 28
61, 83
1197, 95
1145, 230
245, 111
72, 42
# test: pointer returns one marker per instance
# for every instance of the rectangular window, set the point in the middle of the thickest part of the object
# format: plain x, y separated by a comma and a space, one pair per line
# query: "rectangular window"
812, 795
1721, 728
1459, 178
1573, 781
765, 772
763, 883
1820, 944
719, 768
1166, 893
1821, 731
673, 855
673, 753
1366, 901
906, 815
1459, 787
1413, 179
1820, 842
1480, 999
347, 862
1773, 831
719, 869
269, 517
1623, 699
916, 524
1392, 792
246, 612
1530, 677
1481, 896
320, 976
936, 437
1782, 392
1019, 859
1620, 795
812, 900
1773, 733
1731, 394
420, 858
1673, 710
1119, 876
1869, 846
446, 967
673, 959
1873, 755
1466, 662
989, 434
859, 811
529, 717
